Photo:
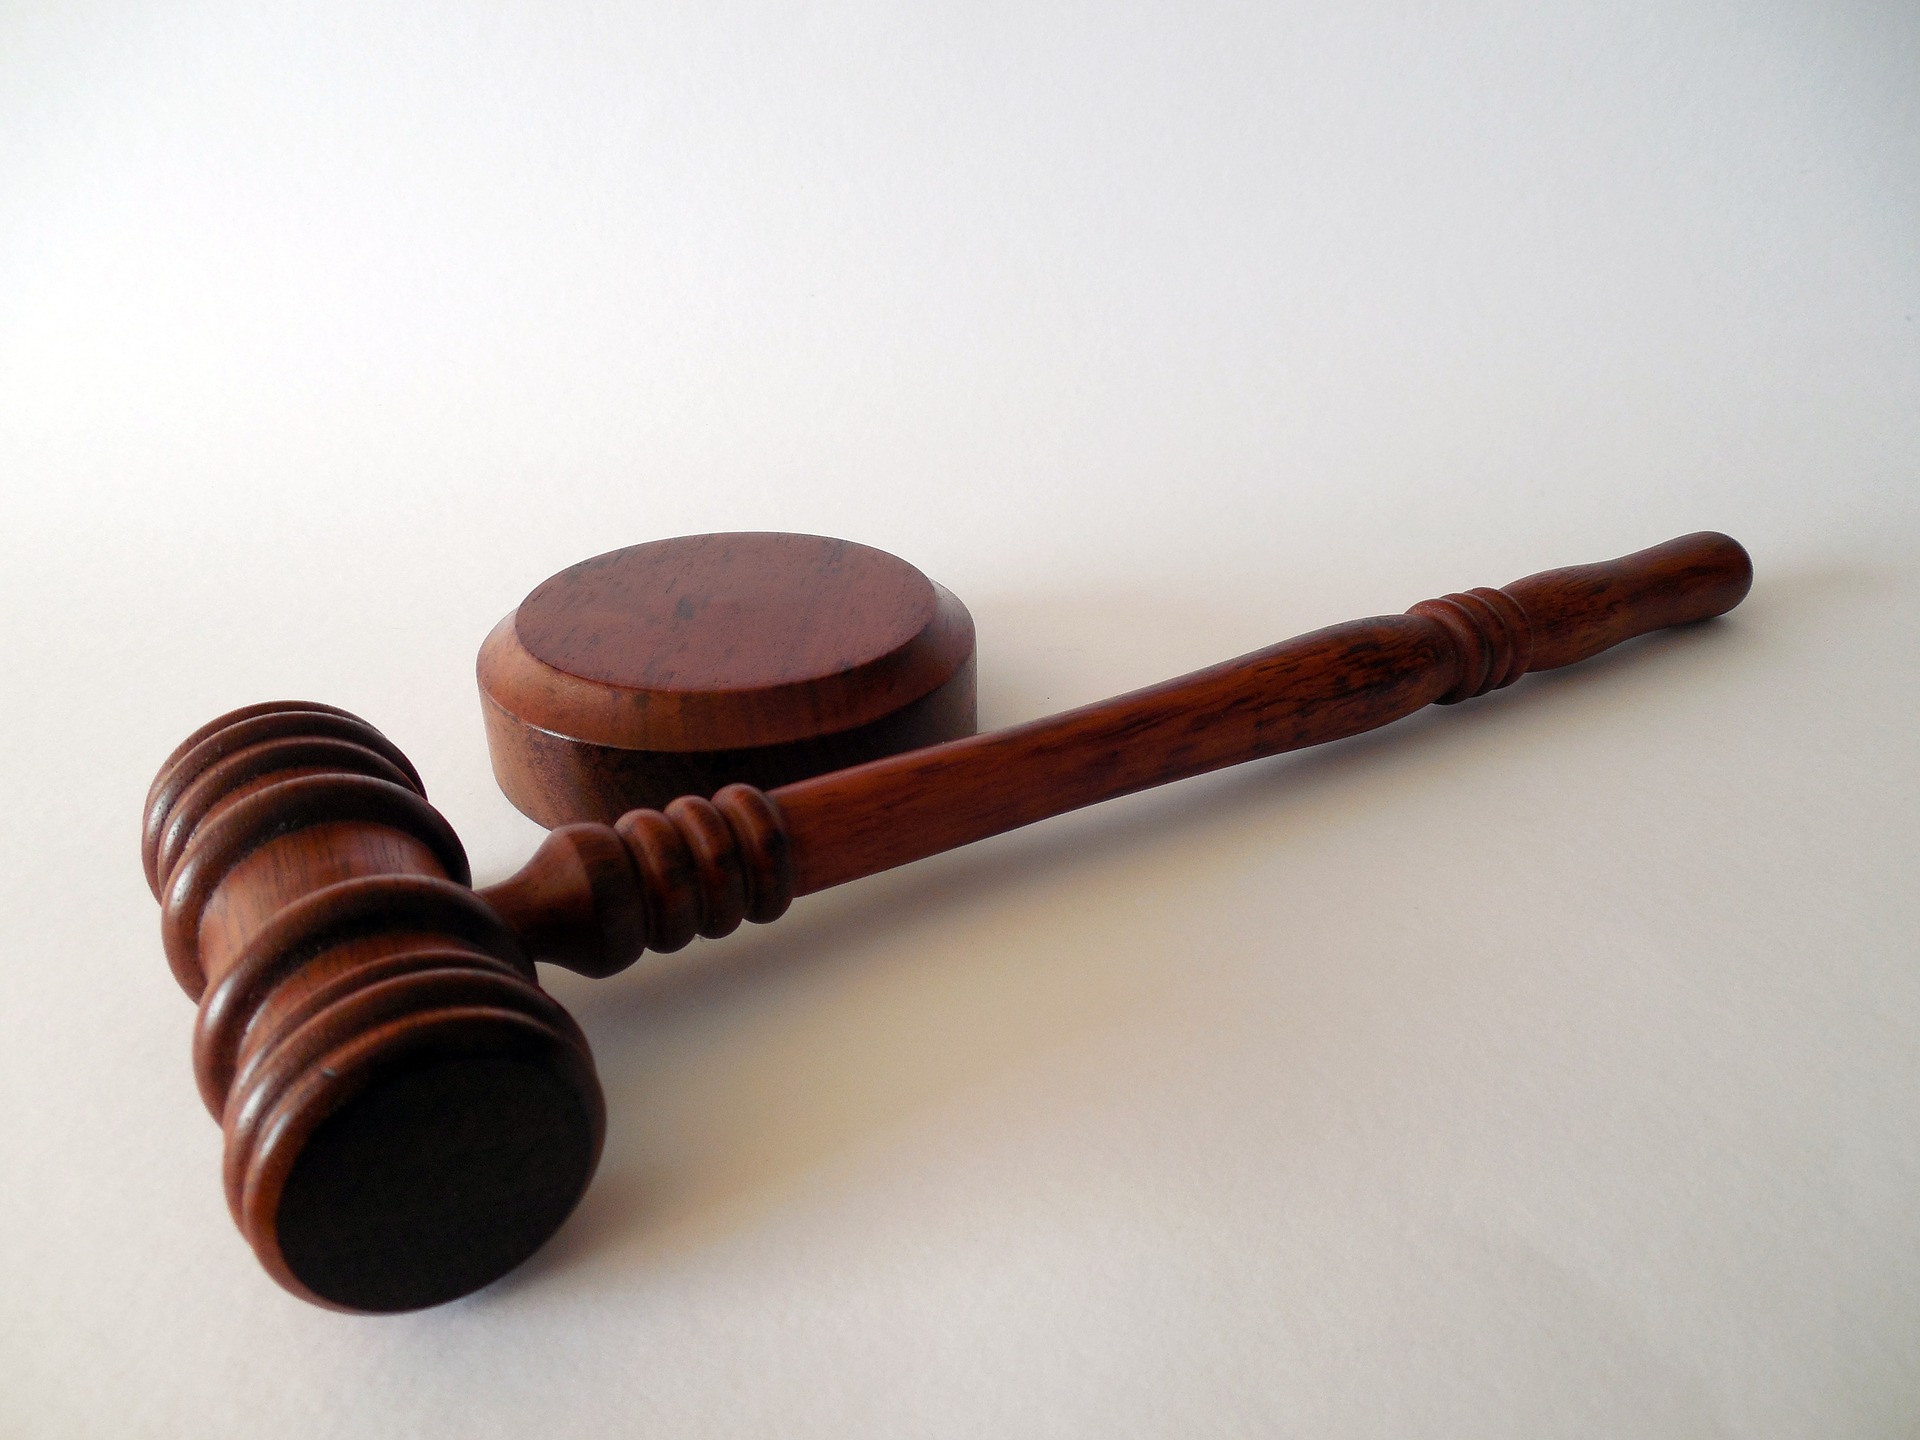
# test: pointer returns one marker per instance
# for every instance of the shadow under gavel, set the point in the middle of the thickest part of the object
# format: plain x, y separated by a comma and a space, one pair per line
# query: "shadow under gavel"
408, 1116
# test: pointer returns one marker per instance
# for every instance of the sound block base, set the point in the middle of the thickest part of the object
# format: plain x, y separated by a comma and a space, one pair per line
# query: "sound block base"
680, 666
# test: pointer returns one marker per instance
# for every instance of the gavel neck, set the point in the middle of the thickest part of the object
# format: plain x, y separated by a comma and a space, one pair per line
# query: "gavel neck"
566, 902
594, 897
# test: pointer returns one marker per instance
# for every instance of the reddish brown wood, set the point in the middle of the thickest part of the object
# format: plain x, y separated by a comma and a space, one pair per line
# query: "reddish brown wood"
1336, 682
407, 1115
677, 667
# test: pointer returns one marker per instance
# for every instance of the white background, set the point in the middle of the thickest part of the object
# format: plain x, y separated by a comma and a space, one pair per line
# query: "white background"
1548, 1065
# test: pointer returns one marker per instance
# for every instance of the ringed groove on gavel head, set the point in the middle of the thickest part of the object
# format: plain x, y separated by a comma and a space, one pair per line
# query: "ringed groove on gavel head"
248, 748
245, 826
383, 915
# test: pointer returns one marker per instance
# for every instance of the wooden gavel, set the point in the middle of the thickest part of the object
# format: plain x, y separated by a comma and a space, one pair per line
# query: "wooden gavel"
408, 1116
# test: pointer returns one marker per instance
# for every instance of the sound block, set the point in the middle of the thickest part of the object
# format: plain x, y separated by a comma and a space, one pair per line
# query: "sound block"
677, 667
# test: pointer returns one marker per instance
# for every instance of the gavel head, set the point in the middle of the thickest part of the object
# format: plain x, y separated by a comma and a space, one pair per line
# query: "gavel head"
407, 1115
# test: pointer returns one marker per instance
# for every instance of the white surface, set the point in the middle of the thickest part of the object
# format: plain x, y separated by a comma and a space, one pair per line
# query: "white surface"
1543, 1066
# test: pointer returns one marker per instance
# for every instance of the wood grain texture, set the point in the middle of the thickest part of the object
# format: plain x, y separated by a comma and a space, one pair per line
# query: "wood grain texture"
1341, 681
1336, 682
407, 1115
680, 666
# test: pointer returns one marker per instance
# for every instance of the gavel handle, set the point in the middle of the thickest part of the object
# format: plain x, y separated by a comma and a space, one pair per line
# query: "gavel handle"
1344, 680
1332, 683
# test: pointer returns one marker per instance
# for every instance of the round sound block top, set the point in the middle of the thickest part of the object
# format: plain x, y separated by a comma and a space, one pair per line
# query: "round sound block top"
683, 665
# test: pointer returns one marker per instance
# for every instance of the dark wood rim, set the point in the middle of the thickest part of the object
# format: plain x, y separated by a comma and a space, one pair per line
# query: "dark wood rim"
296, 1049
361, 1063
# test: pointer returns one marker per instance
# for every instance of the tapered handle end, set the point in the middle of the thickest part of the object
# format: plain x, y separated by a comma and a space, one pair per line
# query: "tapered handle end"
1580, 611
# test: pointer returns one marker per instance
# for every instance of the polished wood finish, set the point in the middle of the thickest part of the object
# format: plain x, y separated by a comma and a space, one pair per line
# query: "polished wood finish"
677, 667
407, 1115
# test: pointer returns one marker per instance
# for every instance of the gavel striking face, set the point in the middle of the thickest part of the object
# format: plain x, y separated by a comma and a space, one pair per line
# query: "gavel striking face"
408, 1116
